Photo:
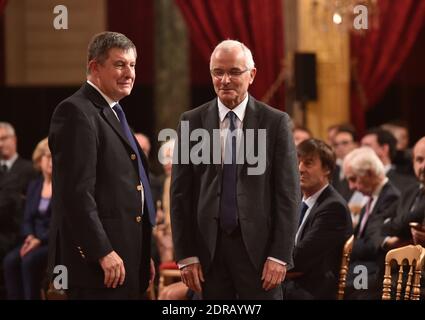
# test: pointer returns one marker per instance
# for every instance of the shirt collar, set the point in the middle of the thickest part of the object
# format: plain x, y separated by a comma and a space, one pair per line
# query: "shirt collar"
388, 167
108, 100
378, 189
9, 163
239, 109
311, 201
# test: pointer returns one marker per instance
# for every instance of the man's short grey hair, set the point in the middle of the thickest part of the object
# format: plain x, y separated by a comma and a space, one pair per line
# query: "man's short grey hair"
102, 42
364, 159
8, 127
228, 45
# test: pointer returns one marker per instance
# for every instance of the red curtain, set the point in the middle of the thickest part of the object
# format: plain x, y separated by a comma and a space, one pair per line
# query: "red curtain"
378, 55
135, 19
2, 5
256, 23
2, 43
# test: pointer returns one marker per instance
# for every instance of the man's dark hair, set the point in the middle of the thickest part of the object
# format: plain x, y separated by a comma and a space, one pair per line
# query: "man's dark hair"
348, 128
385, 137
101, 43
315, 147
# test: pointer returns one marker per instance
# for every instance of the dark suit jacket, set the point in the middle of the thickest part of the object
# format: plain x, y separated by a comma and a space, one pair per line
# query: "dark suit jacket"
319, 247
35, 223
95, 197
398, 225
13, 186
399, 180
367, 246
341, 185
267, 203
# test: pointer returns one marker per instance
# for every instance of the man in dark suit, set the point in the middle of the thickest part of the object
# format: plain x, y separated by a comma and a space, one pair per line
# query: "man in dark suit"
234, 222
15, 174
384, 144
365, 173
344, 142
411, 207
102, 205
324, 226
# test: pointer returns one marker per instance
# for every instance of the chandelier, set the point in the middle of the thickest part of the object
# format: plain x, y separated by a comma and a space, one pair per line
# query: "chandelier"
345, 15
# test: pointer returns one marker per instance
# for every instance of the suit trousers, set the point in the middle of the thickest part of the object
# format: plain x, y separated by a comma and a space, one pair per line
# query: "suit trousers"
232, 275
23, 276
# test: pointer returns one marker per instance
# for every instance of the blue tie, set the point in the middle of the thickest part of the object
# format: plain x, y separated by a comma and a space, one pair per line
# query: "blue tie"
228, 202
142, 174
304, 208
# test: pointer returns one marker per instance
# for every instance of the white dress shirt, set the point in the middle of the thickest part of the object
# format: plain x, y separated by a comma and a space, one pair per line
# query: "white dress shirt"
112, 103
9, 163
310, 202
239, 110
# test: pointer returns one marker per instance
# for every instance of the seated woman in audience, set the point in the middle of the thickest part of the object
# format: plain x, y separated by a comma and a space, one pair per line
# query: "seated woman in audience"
24, 267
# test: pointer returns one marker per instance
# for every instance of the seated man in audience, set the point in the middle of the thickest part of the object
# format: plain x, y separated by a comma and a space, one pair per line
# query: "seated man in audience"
365, 173
384, 144
324, 226
411, 206
403, 156
300, 134
15, 174
344, 142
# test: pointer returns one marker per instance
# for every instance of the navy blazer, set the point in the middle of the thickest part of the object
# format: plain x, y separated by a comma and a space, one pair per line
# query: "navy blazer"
35, 223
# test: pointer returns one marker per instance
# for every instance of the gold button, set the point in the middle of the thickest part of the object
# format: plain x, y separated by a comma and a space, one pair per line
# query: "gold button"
139, 187
79, 248
83, 256
138, 219
133, 156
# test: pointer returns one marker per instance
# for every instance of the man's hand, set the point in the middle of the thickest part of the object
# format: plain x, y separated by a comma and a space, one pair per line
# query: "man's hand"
394, 242
273, 274
152, 276
418, 235
113, 268
192, 276
30, 244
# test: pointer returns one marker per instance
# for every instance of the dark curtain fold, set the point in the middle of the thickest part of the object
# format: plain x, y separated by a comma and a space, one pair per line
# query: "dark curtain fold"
135, 19
2, 6
257, 23
379, 54
2, 42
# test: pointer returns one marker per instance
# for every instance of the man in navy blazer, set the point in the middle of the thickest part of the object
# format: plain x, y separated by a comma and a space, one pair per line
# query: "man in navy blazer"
324, 226
102, 205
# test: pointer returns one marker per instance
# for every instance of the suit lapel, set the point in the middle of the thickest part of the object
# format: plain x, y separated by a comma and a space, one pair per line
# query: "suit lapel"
211, 122
96, 98
250, 121
323, 195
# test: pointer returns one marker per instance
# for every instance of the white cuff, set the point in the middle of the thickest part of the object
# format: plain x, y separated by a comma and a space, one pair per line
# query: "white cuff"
277, 260
187, 261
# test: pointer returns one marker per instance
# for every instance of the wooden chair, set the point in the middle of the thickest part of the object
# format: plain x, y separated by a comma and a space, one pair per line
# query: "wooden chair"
343, 271
168, 273
413, 256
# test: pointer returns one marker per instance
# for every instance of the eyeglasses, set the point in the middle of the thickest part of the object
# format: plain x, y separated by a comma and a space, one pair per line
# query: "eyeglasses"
233, 73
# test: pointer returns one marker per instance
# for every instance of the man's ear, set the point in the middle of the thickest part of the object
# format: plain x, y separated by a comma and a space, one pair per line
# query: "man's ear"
93, 66
252, 74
